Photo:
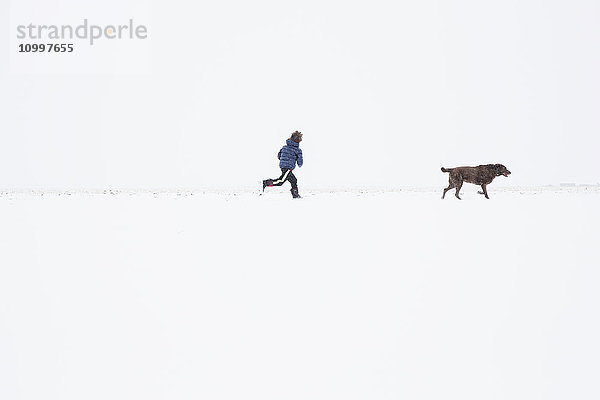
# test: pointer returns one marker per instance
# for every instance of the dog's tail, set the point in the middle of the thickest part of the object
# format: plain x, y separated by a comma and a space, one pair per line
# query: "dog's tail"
447, 169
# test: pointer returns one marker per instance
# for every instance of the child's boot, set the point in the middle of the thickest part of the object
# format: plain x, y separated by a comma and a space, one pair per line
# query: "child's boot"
267, 182
295, 194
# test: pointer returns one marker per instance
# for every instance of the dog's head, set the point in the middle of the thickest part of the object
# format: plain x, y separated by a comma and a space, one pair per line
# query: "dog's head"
501, 170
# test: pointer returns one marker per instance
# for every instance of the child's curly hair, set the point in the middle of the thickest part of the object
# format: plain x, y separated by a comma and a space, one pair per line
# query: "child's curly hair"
296, 136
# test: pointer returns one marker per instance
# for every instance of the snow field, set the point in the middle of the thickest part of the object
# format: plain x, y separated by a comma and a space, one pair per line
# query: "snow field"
372, 295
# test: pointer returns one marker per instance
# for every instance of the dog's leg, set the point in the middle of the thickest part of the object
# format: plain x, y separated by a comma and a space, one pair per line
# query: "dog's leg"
445, 190
451, 184
458, 186
484, 192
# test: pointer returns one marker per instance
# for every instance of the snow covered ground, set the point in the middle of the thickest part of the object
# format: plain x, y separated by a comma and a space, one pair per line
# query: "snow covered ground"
342, 295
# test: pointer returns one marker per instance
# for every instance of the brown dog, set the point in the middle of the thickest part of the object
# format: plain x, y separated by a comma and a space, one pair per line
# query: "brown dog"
481, 175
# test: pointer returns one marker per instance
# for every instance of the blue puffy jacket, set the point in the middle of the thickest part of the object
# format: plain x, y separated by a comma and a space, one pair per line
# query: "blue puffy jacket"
289, 154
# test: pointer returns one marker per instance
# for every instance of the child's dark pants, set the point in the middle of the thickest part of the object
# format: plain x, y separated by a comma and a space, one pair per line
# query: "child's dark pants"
286, 175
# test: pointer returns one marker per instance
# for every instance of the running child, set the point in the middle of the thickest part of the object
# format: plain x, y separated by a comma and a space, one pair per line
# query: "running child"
288, 156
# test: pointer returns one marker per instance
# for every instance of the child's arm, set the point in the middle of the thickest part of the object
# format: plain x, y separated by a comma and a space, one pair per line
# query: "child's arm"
279, 154
300, 160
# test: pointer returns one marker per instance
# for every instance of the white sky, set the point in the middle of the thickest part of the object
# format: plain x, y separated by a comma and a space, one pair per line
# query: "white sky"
385, 92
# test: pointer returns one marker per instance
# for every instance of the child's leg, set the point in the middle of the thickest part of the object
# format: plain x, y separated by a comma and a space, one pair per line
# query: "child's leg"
292, 178
279, 181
